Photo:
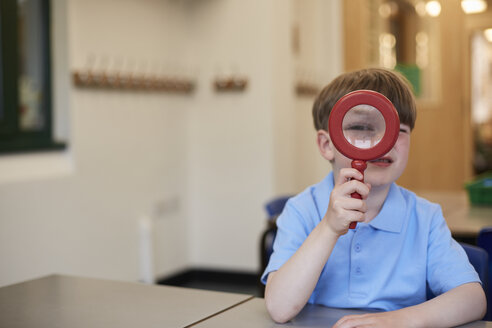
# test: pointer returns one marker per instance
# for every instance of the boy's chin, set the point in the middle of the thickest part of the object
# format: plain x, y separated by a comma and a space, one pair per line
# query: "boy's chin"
375, 183
378, 180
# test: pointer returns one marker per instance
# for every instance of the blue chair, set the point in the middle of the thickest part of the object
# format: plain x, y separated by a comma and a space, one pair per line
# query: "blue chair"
484, 240
276, 206
479, 258
273, 208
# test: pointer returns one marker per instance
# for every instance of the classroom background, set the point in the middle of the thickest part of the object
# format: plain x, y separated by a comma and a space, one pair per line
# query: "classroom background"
175, 121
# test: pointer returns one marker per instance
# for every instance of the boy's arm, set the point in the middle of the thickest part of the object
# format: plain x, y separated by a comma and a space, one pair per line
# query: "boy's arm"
459, 305
289, 288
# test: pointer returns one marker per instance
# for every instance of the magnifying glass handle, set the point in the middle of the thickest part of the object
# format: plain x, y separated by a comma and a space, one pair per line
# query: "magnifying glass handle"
361, 167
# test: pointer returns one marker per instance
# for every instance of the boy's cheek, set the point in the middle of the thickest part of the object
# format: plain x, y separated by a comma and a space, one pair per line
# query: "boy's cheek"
403, 141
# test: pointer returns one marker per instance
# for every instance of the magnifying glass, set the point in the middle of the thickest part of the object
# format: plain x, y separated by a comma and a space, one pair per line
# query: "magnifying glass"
363, 125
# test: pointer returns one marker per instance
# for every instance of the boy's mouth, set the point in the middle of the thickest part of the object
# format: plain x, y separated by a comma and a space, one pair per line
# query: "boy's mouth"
383, 161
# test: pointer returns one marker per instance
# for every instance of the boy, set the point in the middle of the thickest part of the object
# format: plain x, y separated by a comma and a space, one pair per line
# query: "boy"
400, 245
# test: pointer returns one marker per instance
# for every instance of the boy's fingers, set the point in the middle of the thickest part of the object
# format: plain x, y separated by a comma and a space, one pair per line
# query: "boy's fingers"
352, 216
355, 186
350, 321
347, 174
352, 204
357, 205
356, 217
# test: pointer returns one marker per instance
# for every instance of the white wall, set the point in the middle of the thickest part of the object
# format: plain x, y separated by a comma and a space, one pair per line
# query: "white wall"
321, 58
211, 160
230, 134
78, 213
250, 147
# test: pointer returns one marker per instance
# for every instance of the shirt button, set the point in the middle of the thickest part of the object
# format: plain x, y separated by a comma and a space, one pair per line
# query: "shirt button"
358, 270
358, 247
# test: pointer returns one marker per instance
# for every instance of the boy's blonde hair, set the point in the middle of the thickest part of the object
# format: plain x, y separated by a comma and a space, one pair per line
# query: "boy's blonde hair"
391, 84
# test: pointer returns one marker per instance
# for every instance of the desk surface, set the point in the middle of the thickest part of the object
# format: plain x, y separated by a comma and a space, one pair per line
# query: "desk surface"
461, 217
254, 314
61, 301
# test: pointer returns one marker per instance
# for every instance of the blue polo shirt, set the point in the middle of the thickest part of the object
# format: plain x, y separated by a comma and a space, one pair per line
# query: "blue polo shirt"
384, 264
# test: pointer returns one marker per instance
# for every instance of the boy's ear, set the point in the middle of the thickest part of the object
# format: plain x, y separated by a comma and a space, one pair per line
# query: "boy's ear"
325, 145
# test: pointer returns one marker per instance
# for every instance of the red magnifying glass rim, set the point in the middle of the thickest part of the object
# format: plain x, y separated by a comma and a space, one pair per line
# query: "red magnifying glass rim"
376, 100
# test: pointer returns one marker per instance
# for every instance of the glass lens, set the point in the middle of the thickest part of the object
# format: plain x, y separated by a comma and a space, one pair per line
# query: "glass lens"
363, 126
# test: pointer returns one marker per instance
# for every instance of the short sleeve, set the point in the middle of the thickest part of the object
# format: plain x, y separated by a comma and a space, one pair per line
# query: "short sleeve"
293, 229
447, 263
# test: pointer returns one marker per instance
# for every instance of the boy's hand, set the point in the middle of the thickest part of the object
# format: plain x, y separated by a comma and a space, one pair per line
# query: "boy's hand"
389, 319
343, 209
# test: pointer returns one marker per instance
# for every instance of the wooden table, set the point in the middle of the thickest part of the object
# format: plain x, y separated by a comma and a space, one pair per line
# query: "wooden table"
70, 302
463, 219
254, 314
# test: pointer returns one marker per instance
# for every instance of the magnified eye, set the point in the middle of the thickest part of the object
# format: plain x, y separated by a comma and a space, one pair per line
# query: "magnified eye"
363, 126
359, 127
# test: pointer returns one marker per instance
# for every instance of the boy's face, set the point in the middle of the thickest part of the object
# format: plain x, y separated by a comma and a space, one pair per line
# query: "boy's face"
380, 172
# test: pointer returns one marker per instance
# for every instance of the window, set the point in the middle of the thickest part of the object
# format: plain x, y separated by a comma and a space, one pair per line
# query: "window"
25, 77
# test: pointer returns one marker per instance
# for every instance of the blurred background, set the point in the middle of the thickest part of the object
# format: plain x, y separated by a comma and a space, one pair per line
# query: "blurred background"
142, 138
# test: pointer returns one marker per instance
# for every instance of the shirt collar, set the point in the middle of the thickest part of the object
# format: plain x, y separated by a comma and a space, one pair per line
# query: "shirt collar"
390, 218
392, 214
